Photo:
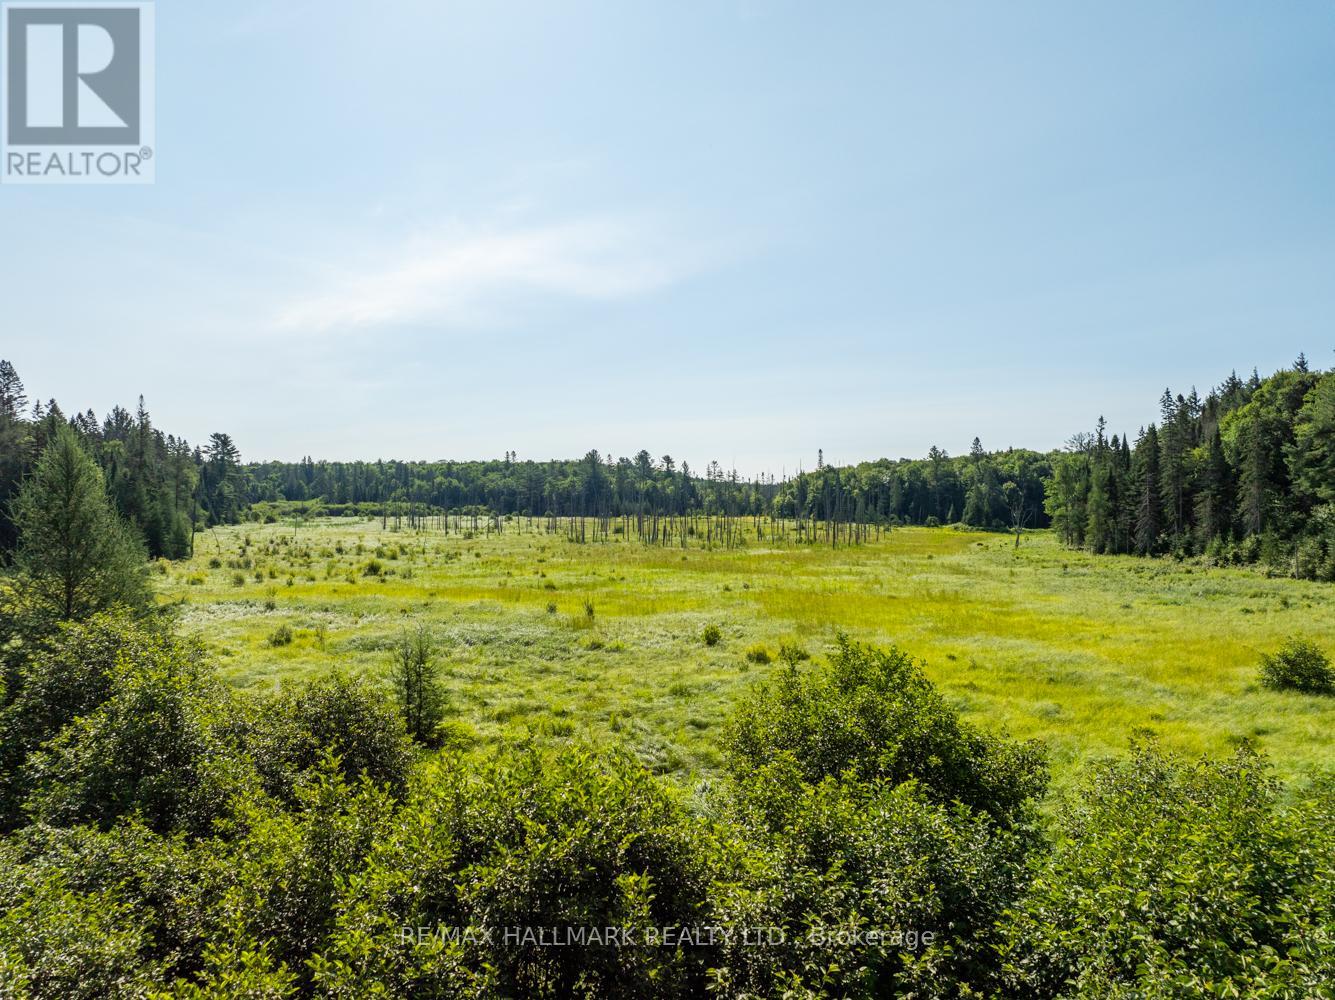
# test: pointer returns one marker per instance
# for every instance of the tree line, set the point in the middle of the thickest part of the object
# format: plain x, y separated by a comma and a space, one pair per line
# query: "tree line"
158, 482
1242, 475
980, 489
1246, 474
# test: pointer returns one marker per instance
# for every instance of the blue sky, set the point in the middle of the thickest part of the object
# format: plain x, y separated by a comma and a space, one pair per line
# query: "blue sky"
736, 231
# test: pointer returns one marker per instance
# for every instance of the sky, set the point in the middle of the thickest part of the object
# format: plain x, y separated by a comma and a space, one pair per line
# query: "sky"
733, 231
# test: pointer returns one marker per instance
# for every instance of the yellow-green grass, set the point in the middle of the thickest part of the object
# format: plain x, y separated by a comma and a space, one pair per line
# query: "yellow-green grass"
1077, 650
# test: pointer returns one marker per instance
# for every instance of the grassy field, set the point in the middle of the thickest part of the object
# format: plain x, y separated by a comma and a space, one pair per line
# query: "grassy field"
1044, 642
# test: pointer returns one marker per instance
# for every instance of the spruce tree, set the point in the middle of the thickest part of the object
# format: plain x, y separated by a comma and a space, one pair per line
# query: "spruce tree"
1149, 519
1214, 502
75, 556
1255, 490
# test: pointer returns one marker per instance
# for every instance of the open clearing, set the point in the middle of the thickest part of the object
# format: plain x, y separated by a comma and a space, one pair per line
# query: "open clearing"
1079, 651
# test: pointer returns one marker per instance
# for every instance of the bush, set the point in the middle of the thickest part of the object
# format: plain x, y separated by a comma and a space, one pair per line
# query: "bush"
160, 745
275, 874
281, 636
68, 675
1300, 665
712, 635
872, 806
62, 945
758, 654
871, 712
1171, 879
288, 736
575, 841
843, 854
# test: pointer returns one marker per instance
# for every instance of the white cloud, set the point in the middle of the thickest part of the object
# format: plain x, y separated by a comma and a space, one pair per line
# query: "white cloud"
475, 277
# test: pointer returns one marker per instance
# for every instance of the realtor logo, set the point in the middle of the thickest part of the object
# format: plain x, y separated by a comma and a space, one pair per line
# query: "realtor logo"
77, 93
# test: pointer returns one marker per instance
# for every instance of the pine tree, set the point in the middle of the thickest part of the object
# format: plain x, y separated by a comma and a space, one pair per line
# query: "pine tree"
76, 556
1254, 485
1101, 511
1149, 520
12, 397
1172, 463
1214, 501
416, 679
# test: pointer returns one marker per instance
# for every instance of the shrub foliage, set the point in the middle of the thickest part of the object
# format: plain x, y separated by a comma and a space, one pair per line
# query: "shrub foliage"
168, 838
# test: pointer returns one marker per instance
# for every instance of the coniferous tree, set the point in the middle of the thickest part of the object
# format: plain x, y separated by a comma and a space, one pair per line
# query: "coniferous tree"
76, 556
1214, 499
1255, 476
1173, 444
1149, 522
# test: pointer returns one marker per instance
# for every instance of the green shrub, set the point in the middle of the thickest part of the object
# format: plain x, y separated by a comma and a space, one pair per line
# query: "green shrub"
68, 675
161, 745
758, 654
288, 736
1300, 665
873, 806
842, 854
578, 840
712, 635
281, 636
872, 712
455, 735
56, 944
1171, 879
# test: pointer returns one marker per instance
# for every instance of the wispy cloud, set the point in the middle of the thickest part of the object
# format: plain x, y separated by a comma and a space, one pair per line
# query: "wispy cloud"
477, 277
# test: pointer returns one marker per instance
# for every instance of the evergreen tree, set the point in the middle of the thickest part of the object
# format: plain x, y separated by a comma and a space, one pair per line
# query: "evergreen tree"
1214, 500
1173, 444
76, 557
416, 679
1255, 477
1101, 512
222, 483
1149, 521
12, 397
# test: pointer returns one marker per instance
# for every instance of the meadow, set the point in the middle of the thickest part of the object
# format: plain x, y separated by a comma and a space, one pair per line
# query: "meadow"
542, 638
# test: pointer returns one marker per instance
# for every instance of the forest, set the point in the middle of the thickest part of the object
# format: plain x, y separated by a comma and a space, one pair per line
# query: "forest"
1246, 474
1243, 475
348, 833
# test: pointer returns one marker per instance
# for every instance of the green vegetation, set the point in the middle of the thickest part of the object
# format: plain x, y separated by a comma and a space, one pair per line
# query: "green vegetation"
417, 684
75, 556
178, 839
1077, 650
1300, 665
1246, 475
594, 756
